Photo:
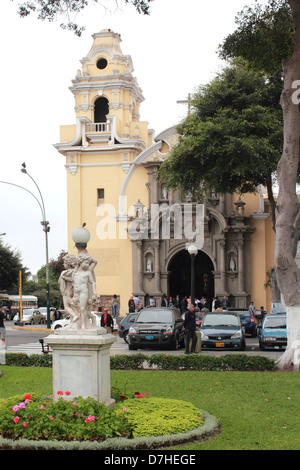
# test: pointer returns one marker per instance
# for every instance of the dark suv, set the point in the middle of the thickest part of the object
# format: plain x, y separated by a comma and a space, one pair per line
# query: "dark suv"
157, 326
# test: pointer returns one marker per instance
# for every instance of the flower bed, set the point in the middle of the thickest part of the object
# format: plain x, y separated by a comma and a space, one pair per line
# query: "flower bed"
139, 422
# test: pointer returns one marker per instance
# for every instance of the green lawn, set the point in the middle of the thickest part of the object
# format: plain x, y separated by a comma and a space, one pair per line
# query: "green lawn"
256, 410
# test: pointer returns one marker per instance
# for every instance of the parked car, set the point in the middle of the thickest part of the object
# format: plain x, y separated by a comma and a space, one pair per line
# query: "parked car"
157, 326
222, 330
63, 322
199, 318
30, 316
247, 319
43, 310
272, 333
125, 324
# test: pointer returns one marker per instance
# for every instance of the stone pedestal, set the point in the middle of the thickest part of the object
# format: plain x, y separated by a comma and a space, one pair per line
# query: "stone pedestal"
81, 363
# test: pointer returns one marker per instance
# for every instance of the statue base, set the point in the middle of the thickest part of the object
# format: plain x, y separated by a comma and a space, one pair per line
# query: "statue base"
81, 363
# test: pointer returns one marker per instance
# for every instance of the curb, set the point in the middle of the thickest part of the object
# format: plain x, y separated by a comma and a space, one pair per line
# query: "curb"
205, 431
28, 328
46, 330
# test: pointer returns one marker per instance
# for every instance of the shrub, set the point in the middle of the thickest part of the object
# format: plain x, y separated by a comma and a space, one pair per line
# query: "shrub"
241, 362
80, 419
32, 360
159, 416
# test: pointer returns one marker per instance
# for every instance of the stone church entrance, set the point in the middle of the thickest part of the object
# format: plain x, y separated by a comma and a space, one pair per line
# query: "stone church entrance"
179, 279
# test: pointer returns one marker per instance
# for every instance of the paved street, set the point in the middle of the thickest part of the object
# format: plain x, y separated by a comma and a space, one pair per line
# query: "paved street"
26, 339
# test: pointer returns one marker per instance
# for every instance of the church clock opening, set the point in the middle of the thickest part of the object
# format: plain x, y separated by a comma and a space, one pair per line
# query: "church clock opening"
180, 275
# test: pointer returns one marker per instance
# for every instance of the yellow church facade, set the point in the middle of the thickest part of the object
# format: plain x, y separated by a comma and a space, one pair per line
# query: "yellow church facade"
138, 230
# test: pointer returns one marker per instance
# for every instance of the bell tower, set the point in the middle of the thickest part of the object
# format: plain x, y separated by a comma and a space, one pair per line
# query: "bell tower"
99, 150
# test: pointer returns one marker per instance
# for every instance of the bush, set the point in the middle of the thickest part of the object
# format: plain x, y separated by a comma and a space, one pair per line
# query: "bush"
80, 419
33, 418
241, 362
32, 360
159, 416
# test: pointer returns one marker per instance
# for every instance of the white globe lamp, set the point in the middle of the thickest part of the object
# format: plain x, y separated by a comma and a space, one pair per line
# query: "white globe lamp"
81, 236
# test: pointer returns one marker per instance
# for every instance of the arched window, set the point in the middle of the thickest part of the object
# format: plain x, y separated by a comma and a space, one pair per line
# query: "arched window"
101, 109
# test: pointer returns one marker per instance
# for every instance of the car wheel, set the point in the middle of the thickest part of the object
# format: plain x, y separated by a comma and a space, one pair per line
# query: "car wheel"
57, 327
125, 337
31, 322
176, 344
262, 348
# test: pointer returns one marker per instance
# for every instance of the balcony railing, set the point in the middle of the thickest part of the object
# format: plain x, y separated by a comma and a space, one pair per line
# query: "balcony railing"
97, 127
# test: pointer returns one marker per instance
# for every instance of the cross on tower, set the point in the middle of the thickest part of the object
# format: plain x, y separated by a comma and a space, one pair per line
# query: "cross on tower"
188, 102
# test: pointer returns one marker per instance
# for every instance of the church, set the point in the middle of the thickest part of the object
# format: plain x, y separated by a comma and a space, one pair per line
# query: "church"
140, 232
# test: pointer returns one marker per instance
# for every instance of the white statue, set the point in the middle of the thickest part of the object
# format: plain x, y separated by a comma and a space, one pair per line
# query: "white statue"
85, 296
78, 288
66, 281
149, 265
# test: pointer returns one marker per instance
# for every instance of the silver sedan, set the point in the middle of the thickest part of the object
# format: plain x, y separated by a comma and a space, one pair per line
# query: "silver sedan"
30, 316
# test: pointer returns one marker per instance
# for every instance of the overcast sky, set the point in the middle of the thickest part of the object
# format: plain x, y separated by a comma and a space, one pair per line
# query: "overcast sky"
173, 51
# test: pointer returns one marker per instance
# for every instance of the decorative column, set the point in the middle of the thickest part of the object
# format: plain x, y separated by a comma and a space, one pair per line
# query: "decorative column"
241, 276
156, 268
139, 245
222, 265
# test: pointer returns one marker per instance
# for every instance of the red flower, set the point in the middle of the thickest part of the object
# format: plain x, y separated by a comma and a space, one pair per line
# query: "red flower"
68, 393
27, 396
59, 392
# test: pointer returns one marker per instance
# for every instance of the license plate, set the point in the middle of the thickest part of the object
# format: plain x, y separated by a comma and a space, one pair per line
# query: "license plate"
220, 345
149, 337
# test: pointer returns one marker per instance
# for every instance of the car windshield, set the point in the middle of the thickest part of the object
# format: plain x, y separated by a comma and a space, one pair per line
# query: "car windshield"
155, 316
244, 313
28, 312
275, 322
216, 319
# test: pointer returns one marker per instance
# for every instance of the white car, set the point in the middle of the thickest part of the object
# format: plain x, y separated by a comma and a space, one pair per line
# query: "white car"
65, 321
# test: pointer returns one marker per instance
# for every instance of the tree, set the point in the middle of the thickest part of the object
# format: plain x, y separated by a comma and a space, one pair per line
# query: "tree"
10, 267
52, 9
39, 288
232, 140
269, 38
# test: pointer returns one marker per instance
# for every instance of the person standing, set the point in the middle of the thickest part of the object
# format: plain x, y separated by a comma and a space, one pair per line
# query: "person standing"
252, 308
184, 304
164, 302
189, 326
115, 306
136, 303
107, 321
2, 327
131, 305
225, 303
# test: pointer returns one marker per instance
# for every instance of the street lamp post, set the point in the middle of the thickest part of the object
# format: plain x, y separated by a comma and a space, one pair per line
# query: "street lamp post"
193, 252
46, 229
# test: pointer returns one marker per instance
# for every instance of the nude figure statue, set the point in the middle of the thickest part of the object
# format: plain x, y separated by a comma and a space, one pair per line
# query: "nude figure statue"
66, 281
85, 296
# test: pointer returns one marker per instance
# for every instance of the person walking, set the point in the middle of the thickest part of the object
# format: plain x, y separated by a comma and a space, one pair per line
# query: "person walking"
189, 326
2, 327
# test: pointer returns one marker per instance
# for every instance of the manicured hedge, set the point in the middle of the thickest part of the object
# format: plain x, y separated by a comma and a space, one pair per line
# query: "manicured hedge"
241, 362
193, 362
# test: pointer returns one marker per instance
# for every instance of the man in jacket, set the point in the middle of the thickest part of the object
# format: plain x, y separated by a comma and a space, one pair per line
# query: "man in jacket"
189, 326
107, 321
